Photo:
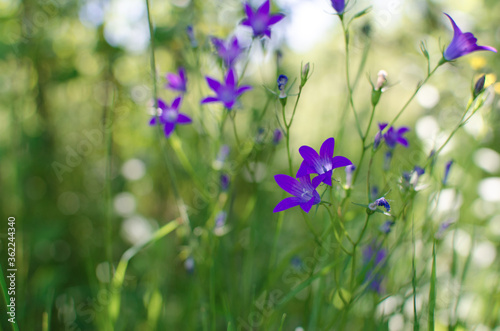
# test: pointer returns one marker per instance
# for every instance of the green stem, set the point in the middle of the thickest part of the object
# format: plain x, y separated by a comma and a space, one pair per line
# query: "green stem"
119, 276
348, 80
414, 94
179, 201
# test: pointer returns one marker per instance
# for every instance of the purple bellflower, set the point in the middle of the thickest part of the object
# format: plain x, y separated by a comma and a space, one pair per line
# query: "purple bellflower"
224, 182
395, 136
303, 191
277, 136
462, 44
260, 21
227, 51
349, 171
447, 171
387, 226
339, 6
380, 202
169, 116
228, 92
322, 164
177, 82
374, 256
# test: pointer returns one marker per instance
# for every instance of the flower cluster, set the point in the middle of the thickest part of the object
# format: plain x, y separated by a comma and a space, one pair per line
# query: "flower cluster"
303, 189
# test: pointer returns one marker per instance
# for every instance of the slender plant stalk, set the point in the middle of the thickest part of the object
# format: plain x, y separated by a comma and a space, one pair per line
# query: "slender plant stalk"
348, 79
432, 291
178, 198
119, 276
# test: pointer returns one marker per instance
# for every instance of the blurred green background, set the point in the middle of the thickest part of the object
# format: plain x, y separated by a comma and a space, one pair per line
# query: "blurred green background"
71, 69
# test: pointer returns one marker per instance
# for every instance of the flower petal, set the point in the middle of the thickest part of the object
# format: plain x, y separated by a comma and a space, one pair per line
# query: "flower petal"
184, 119
327, 148
308, 205
231, 78
209, 99
403, 130
169, 128
403, 141
319, 179
275, 19
182, 74
176, 103
289, 184
248, 11
213, 84
152, 121
310, 156
242, 89
286, 204
264, 8
304, 170
340, 161
162, 104
456, 30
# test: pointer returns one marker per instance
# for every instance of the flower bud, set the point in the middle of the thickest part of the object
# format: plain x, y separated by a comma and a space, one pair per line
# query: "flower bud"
479, 87
381, 80
305, 74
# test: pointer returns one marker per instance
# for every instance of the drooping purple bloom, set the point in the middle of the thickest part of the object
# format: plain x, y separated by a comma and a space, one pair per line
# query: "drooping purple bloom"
220, 219
296, 262
349, 170
224, 182
303, 191
462, 44
282, 80
322, 164
277, 136
260, 21
169, 116
382, 202
387, 226
395, 136
189, 265
190, 33
387, 160
378, 136
442, 228
177, 82
373, 256
226, 92
338, 5
447, 171
374, 192
227, 51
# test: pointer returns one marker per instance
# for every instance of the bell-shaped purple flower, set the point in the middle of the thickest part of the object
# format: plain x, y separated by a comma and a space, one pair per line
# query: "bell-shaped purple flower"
227, 51
260, 21
447, 171
322, 164
462, 44
277, 136
393, 136
382, 202
338, 5
226, 92
303, 191
177, 82
169, 116
373, 256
